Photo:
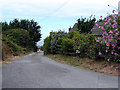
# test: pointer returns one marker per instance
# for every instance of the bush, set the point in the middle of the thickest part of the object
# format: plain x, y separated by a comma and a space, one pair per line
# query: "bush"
86, 46
67, 46
15, 49
55, 44
110, 38
35, 48
47, 46
19, 36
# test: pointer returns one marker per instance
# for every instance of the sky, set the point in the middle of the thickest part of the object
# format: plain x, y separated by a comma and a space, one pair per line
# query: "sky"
54, 15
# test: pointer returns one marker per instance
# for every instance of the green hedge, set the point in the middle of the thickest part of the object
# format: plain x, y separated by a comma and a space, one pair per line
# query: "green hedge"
47, 46
82, 45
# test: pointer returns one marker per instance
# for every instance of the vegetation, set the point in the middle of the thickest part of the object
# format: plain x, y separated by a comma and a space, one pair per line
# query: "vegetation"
110, 38
89, 64
80, 43
47, 46
20, 36
85, 25
32, 28
55, 42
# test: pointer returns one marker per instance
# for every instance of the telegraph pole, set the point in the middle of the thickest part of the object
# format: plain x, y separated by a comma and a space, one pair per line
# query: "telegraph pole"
119, 8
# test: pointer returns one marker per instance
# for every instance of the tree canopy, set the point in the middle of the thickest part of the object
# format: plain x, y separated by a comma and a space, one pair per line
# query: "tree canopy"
32, 27
85, 25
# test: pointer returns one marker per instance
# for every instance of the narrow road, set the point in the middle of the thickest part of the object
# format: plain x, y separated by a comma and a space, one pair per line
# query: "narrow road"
38, 71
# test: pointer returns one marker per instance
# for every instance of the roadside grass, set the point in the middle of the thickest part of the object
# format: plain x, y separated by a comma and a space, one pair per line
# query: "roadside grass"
89, 64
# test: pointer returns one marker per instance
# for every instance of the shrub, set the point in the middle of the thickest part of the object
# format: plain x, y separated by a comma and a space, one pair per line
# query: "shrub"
67, 46
19, 36
80, 44
47, 46
15, 49
29, 26
55, 44
111, 38
86, 46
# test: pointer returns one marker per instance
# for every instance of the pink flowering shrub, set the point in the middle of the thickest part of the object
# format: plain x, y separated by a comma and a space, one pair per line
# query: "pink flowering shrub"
110, 38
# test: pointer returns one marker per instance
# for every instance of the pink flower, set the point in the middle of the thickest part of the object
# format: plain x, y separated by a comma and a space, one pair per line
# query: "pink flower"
110, 32
107, 44
113, 27
96, 24
114, 21
105, 23
107, 17
105, 32
113, 45
111, 37
97, 40
108, 60
116, 29
113, 11
110, 40
100, 53
115, 54
106, 50
102, 28
105, 41
112, 52
107, 47
108, 21
98, 37
117, 34
118, 47
114, 17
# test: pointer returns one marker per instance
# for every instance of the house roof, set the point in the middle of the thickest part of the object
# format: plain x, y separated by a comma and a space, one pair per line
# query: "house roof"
96, 30
73, 28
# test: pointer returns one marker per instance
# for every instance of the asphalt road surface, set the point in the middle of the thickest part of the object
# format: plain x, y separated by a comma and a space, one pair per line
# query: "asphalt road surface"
38, 71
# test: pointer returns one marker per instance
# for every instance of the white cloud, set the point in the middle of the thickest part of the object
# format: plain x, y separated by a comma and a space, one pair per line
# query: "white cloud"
85, 7
55, 8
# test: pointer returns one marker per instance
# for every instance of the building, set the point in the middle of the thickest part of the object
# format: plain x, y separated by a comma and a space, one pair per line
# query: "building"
96, 30
73, 28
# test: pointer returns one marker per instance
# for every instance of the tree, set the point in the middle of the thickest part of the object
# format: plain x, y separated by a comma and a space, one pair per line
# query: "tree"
30, 25
19, 36
85, 25
5, 26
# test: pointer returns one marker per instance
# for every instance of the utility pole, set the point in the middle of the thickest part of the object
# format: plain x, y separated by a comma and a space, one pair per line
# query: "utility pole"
119, 8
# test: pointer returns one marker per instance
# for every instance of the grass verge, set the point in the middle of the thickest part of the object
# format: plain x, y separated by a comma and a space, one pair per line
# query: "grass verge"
89, 64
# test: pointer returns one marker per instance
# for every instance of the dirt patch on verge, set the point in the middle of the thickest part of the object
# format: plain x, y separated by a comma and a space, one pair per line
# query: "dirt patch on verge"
11, 58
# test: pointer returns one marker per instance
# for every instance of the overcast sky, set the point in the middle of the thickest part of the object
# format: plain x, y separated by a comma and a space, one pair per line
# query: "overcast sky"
54, 14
